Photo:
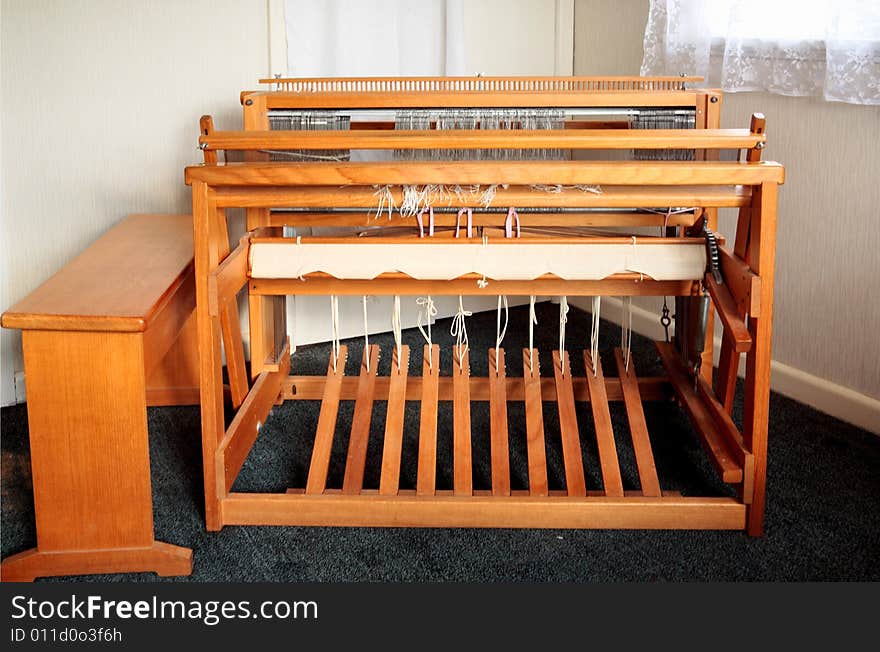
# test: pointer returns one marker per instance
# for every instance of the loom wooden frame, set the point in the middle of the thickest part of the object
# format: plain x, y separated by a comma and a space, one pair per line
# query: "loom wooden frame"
745, 303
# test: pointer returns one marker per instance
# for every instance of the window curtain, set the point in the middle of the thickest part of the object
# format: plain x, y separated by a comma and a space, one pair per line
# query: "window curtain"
826, 48
356, 38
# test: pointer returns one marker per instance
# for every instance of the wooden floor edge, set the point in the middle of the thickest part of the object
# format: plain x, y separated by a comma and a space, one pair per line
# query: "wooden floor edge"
678, 513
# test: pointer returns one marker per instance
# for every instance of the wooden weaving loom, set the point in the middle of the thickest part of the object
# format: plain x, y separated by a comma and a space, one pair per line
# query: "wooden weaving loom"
515, 136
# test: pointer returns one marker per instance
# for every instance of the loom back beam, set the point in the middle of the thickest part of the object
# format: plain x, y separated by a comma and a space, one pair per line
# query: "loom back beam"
522, 172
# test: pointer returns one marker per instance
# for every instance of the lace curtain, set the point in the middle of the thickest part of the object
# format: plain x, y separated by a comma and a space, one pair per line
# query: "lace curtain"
827, 48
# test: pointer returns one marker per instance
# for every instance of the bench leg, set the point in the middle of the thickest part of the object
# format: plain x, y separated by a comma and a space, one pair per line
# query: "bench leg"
162, 558
90, 463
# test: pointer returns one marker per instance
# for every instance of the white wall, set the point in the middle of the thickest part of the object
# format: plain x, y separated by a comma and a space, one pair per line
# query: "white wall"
104, 97
827, 313
100, 104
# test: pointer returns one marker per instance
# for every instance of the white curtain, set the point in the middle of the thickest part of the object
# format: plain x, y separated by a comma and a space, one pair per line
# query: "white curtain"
827, 48
354, 38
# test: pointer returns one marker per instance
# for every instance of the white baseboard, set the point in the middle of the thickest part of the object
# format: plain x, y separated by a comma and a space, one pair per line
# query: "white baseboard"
838, 401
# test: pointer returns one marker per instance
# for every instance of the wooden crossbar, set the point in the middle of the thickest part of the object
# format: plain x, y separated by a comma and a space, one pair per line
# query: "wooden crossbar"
662, 173
612, 196
483, 138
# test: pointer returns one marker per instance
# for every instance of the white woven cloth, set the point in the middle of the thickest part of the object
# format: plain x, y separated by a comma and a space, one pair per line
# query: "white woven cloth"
509, 262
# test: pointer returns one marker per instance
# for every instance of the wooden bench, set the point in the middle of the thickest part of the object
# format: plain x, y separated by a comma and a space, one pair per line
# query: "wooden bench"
108, 335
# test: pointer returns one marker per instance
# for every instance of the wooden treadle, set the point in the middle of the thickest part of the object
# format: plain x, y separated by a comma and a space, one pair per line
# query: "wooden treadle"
531, 389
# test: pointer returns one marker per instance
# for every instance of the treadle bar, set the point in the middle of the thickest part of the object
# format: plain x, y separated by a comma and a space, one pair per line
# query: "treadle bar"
611, 480
534, 424
568, 428
427, 470
638, 429
704, 423
390, 478
360, 424
500, 446
461, 428
317, 478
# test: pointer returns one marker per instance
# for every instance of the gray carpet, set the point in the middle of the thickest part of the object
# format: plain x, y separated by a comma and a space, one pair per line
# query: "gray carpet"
823, 514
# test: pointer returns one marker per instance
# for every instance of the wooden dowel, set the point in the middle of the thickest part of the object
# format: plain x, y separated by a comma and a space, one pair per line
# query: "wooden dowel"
390, 479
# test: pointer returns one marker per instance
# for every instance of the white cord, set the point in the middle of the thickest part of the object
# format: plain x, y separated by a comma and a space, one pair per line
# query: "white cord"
366, 337
594, 333
533, 319
397, 330
563, 319
626, 331
500, 332
459, 331
482, 283
334, 328
427, 312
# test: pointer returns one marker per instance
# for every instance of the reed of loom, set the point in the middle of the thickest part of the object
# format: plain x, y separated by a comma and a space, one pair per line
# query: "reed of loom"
744, 304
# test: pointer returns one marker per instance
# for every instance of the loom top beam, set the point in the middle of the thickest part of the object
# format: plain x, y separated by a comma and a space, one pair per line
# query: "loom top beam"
488, 172
484, 138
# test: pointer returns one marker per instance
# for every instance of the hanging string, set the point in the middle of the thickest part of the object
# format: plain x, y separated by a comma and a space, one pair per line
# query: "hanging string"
499, 331
397, 330
421, 224
366, 337
533, 319
665, 320
594, 333
482, 282
334, 329
626, 331
459, 331
563, 320
470, 221
512, 217
427, 312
